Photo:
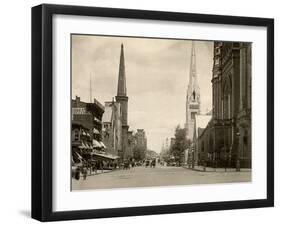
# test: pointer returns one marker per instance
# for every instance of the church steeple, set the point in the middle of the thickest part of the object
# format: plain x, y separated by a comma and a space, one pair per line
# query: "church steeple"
193, 86
121, 89
192, 95
122, 97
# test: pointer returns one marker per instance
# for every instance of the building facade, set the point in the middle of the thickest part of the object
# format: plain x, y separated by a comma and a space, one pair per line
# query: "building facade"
131, 145
201, 139
140, 144
192, 96
229, 143
141, 138
86, 137
81, 142
89, 115
112, 127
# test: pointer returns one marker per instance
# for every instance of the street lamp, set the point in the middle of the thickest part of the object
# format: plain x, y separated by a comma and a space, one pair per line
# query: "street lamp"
238, 154
224, 140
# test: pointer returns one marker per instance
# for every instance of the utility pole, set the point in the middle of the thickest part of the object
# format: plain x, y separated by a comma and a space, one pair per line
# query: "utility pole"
238, 152
90, 87
224, 141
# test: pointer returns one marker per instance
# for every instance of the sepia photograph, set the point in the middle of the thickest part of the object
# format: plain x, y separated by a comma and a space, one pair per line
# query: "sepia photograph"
151, 112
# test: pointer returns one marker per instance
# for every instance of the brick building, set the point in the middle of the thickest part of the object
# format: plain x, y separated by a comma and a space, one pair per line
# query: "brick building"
89, 115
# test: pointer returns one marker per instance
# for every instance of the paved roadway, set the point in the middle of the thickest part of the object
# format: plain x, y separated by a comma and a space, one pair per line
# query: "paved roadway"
159, 176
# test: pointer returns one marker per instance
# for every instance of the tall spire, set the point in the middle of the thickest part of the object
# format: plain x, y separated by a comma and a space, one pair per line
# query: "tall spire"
192, 96
193, 61
122, 90
193, 73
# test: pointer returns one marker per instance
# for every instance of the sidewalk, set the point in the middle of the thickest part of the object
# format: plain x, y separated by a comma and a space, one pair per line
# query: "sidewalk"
211, 169
99, 172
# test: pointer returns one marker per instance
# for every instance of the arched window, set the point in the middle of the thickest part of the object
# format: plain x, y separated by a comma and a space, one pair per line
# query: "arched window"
193, 95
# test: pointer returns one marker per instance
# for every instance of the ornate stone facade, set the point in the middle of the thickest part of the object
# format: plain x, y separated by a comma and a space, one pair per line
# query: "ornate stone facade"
229, 139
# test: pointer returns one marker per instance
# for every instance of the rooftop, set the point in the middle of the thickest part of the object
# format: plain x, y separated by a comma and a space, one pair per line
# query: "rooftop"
201, 122
107, 115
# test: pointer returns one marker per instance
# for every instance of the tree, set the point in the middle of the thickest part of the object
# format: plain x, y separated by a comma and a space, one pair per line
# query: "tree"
180, 145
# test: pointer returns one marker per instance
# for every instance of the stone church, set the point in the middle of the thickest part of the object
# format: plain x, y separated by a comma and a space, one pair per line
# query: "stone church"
115, 122
227, 137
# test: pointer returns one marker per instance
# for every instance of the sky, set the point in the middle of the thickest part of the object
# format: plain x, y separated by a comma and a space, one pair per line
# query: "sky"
157, 74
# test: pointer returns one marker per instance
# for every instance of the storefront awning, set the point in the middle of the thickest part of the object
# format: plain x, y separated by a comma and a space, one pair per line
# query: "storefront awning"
102, 144
95, 131
78, 155
88, 146
82, 146
105, 156
96, 144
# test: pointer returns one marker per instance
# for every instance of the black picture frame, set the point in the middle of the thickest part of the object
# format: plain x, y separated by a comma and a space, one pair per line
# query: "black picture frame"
42, 111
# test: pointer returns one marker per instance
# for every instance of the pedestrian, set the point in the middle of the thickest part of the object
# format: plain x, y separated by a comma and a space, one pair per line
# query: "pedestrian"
146, 163
77, 173
84, 173
95, 169
101, 166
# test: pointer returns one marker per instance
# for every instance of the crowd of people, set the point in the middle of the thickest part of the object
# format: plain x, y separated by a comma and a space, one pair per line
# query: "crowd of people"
98, 166
91, 168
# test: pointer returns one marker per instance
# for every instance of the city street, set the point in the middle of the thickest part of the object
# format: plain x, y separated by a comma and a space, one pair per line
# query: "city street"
159, 176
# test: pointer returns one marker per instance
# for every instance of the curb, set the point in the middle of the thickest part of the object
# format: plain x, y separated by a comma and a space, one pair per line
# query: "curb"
219, 170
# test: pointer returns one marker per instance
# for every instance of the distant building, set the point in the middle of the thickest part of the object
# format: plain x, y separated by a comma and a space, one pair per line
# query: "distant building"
192, 96
151, 154
140, 143
131, 145
141, 138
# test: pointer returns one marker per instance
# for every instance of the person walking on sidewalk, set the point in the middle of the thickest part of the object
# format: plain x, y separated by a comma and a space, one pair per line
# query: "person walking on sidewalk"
84, 173
94, 167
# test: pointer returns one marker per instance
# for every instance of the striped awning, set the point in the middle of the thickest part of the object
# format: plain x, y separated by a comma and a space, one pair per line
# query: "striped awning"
105, 156
102, 144
96, 144
82, 146
95, 131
